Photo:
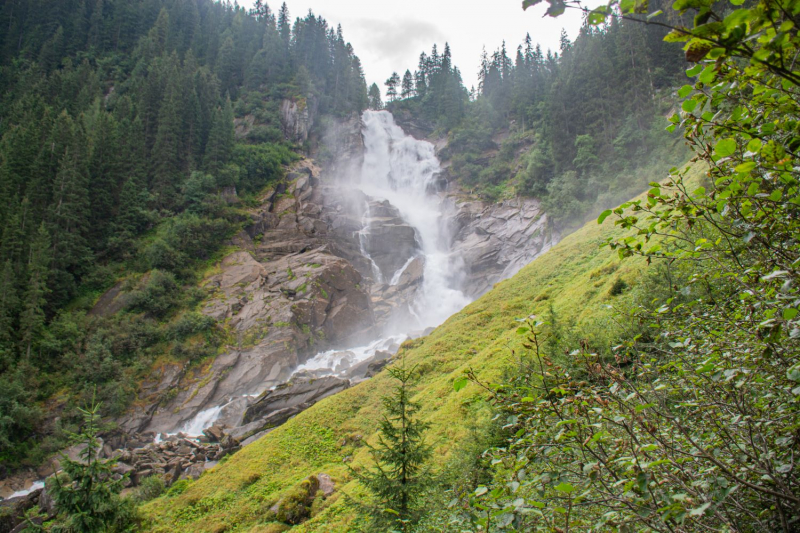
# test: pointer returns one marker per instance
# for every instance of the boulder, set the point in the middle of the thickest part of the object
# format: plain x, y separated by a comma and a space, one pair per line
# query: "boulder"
214, 433
326, 484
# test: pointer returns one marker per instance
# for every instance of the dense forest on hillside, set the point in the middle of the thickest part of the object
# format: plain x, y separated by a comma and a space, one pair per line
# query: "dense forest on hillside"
118, 157
581, 127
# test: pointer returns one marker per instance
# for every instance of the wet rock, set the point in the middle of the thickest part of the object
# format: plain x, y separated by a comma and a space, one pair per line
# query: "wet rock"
389, 240
12, 511
369, 367
276, 406
214, 433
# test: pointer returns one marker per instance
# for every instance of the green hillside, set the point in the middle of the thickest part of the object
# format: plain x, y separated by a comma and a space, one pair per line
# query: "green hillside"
573, 280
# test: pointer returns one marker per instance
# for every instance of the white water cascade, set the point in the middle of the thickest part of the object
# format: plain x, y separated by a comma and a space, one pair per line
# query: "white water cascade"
403, 170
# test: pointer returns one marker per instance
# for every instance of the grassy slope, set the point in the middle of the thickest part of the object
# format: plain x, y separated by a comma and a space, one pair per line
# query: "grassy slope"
575, 277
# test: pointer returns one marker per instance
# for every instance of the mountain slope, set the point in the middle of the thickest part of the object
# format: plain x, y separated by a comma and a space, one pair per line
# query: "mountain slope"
573, 280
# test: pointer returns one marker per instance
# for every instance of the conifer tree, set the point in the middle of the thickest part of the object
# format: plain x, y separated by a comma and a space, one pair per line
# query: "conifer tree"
375, 102
221, 138
391, 87
399, 478
32, 318
85, 493
284, 27
166, 159
407, 86
8, 305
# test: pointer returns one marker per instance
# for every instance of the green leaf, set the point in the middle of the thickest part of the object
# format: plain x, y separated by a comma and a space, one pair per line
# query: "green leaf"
685, 91
725, 147
694, 71
699, 511
530, 3
565, 487
789, 314
604, 215
480, 491
460, 383
596, 17
557, 7
689, 105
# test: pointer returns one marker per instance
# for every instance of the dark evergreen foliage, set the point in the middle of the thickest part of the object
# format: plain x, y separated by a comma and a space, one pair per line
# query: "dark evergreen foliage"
400, 476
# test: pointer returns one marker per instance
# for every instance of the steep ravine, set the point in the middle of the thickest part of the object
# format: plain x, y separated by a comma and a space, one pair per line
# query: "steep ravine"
341, 264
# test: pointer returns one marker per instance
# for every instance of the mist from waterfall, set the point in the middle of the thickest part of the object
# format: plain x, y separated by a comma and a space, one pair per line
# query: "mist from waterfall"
403, 170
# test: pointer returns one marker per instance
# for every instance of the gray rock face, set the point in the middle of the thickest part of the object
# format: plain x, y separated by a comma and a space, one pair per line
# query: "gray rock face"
343, 144
389, 240
297, 118
275, 407
497, 240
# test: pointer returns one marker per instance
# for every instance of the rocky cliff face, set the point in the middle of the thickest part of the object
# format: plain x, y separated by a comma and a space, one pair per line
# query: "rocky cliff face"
497, 240
297, 118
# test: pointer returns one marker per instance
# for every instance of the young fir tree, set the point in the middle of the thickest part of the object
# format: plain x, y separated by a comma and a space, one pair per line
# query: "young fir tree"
400, 476
86, 495
375, 102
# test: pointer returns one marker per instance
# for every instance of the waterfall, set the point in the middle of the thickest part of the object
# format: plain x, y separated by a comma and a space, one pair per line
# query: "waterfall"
403, 170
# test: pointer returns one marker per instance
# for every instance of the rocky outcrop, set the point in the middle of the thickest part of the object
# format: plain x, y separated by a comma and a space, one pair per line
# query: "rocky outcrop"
387, 238
339, 147
297, 118
497, 240
413, 125
276, 406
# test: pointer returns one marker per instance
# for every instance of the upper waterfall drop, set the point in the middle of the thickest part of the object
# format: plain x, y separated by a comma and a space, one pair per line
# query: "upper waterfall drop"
404, 170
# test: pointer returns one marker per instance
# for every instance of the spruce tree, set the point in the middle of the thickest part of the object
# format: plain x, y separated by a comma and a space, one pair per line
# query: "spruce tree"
400, 476
407, 86
166, 159
32, 318
8, 306
85, 493
375, 102
391, 87
221, 139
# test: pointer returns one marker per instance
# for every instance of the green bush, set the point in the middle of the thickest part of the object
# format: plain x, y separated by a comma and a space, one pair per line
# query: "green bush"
295, 507
190, 324
150, 488
156, 295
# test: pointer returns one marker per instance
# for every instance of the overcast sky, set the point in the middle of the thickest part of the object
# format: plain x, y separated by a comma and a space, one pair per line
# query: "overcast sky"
389, 36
